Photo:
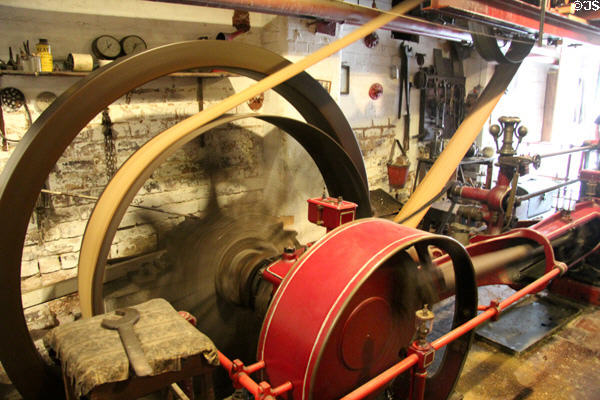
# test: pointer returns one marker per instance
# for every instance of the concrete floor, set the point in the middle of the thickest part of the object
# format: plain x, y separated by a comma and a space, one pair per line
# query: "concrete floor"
563, 366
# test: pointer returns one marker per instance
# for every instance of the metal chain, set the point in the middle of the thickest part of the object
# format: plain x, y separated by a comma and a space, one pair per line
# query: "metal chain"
109, 145
94, 198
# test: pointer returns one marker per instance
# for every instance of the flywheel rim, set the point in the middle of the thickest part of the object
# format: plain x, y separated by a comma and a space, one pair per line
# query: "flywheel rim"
54, 130
335, 166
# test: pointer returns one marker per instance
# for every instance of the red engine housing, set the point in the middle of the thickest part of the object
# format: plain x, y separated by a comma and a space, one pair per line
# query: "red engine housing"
330, 212
346, 309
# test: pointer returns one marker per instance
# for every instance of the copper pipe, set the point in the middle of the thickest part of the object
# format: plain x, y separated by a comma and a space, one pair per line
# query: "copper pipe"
334, 11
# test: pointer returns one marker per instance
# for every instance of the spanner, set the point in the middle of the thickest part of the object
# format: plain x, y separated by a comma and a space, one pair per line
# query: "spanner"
132, 344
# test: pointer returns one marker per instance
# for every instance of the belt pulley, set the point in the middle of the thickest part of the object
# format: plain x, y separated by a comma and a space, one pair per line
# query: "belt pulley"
35, 156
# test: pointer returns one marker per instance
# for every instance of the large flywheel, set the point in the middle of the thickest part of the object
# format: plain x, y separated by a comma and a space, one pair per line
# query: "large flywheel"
212, 253
343, 313
35, 156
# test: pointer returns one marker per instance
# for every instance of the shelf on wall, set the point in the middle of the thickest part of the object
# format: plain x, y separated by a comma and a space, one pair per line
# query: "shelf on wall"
221, 74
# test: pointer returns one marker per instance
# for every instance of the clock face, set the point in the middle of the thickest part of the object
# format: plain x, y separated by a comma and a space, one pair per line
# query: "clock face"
106, 47
133, 44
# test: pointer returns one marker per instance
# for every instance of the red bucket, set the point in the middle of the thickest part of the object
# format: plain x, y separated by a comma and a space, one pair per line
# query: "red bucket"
398, 169
397, 175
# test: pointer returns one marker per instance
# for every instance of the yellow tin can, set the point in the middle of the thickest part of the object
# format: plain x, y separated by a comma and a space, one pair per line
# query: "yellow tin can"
45, 54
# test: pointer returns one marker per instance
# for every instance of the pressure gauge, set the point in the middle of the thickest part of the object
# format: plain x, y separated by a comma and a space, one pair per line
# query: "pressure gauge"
106, 47
133, 44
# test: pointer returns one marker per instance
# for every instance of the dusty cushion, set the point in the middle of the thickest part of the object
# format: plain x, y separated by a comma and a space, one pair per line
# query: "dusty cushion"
92, 355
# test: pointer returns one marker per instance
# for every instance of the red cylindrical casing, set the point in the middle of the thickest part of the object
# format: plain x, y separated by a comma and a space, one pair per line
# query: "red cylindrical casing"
325, 341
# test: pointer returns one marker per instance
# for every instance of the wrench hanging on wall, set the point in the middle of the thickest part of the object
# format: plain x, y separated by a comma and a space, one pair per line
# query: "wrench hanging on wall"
405, 51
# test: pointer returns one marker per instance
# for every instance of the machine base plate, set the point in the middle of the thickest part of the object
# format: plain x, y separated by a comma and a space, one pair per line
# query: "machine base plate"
528, 322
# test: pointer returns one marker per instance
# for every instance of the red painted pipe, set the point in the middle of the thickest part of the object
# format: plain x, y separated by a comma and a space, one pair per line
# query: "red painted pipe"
240, 378
281, 389
535, 286
225, 362
382, 379
243, 379
387, 376
334, 11
474, 193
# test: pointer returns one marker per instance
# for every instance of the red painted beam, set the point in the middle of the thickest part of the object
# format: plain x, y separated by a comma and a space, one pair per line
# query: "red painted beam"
517, 14
334, 11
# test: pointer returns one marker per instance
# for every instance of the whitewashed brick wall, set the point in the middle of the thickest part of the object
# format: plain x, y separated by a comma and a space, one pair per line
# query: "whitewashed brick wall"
256, 163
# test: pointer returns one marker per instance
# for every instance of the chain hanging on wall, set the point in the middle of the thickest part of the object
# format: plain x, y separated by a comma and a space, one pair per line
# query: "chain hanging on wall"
109, 145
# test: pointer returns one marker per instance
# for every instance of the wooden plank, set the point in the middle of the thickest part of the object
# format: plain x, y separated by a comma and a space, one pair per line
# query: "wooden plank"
549, 104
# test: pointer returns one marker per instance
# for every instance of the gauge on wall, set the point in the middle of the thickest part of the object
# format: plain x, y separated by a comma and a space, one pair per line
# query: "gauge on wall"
106, 47
133, 44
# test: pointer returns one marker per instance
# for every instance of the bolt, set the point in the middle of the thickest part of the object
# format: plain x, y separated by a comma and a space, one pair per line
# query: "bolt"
289, 250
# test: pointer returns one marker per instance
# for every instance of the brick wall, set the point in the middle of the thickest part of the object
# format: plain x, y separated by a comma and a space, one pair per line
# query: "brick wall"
246, 157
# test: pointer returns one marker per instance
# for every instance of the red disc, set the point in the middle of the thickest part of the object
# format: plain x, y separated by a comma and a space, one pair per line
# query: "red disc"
343, 312
366, 333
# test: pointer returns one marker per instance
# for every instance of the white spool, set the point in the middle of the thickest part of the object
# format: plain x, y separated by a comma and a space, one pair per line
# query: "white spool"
81, 62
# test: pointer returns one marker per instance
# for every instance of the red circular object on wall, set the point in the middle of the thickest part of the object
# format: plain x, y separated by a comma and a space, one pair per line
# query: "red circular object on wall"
371, 40
344, 311
375, 91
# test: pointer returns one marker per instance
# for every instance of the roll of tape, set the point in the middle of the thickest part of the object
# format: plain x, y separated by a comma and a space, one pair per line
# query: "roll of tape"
81, 62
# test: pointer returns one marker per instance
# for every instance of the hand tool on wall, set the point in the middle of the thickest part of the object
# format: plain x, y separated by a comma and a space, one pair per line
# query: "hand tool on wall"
131, 343
3, 132
405, 51
416, 206
27, 49
11, 64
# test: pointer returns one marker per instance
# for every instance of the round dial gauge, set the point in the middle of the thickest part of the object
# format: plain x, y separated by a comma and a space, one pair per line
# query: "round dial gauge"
133, 44
106, 47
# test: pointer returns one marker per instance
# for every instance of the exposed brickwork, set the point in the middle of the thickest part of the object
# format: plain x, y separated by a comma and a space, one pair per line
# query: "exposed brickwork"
376, 142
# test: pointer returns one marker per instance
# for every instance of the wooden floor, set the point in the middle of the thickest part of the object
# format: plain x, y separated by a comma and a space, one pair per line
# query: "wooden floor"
564, 366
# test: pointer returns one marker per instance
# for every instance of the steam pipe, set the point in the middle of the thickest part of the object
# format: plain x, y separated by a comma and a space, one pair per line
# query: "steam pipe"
573, 150
546, 190
334, 11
